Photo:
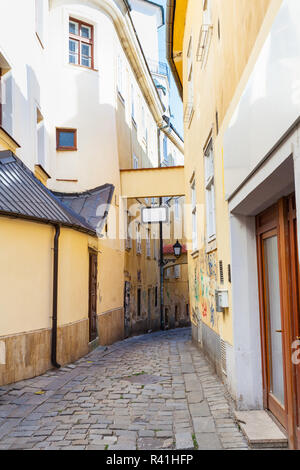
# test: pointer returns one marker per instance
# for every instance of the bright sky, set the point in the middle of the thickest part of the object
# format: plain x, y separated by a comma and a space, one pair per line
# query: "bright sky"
175, 100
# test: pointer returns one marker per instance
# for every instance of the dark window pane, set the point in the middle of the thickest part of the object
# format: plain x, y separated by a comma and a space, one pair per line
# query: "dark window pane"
66, 139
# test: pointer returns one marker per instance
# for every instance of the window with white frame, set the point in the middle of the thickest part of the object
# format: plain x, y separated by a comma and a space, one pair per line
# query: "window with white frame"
210, 191
176, 208
132, 102
190, 86
194, 217
39, 20
148, 243
205, 33
120, 76
177, 271
155, 246
40, 137
138, 239
168, 273
128, 241
207, 12
135, 162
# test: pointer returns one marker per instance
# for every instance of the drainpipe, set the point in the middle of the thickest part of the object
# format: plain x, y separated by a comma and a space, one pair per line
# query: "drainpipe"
54, 305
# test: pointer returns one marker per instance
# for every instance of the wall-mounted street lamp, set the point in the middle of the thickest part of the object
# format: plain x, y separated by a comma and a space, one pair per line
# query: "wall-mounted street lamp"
177, 248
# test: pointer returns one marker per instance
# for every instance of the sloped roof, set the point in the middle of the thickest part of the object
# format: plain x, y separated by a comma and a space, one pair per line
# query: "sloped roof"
23, 195
168, 249
92, 205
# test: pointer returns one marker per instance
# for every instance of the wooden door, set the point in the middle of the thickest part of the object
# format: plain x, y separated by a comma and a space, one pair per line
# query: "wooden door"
295, 308
127, 288
93, 270
272, 314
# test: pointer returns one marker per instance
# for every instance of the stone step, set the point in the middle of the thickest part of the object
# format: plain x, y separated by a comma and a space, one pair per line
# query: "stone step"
260, 430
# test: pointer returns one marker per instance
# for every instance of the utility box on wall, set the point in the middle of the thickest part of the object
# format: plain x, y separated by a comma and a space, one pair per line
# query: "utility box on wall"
222, 300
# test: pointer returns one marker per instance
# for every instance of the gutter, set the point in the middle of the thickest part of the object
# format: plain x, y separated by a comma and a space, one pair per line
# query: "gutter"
55, 295
171, 6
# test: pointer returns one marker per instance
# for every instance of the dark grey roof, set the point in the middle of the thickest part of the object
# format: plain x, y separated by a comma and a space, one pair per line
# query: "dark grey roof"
23, 195
92, 205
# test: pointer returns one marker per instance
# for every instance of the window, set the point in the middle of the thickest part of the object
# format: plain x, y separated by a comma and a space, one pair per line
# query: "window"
207, 12
168, 273
81, 43
66, 139
40, 136
128, 241
155, 241
176, 209
39, 20
210, 191
120, 78
139, 302
132, 103
194, 217
148, 243
177, 272
205, 33
138, 239
189, 110
156, 297
165, 148
6, 97
135, 162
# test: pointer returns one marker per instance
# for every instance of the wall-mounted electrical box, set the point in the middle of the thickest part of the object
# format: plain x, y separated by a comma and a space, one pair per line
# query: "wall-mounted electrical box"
222, 300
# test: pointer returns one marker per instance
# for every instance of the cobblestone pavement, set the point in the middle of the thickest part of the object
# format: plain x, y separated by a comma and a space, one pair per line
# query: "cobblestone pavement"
155, 391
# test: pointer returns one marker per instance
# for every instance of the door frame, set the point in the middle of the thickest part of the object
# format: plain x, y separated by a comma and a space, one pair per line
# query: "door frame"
266, 230
277, 221
92, 254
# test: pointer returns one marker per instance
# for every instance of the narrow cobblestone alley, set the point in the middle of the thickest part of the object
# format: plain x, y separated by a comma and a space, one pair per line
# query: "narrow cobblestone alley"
155, 391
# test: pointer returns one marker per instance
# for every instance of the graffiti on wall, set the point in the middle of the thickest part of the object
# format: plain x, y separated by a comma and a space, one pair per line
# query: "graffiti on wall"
205, 285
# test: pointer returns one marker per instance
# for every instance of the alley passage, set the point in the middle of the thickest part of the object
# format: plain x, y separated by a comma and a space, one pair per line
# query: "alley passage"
155, 391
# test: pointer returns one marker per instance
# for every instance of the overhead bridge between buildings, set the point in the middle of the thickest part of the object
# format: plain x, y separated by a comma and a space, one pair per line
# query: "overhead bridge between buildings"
152, 182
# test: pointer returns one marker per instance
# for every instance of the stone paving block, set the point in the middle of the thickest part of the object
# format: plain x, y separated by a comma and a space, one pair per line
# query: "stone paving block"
200, 409
204, 425
208, 441
184, 441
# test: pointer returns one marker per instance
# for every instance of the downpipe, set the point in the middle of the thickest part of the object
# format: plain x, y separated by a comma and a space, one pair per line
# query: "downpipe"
55, 295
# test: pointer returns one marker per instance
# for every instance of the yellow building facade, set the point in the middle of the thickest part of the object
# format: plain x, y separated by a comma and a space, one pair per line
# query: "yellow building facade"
231, 62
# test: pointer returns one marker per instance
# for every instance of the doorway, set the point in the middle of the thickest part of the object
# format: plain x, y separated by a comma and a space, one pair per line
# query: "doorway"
278, 269
93, 270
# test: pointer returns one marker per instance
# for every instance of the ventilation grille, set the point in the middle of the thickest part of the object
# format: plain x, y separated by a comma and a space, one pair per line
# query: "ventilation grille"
221, 272
223, 357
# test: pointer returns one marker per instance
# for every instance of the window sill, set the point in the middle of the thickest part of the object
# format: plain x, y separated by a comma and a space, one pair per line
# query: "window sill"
191, 118
66, 149
120, 96
39, 40
91, 69
195, 253
211, 245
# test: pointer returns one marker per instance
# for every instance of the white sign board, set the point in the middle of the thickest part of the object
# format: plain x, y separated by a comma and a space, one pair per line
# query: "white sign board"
154, 215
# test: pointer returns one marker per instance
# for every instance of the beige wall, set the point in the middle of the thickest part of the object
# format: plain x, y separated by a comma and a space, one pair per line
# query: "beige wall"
26, 281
